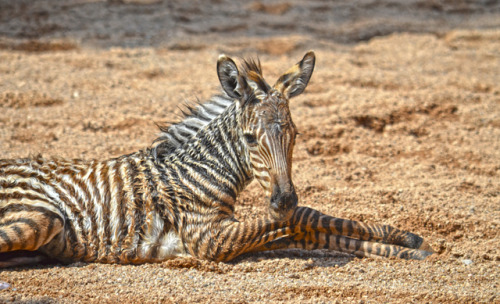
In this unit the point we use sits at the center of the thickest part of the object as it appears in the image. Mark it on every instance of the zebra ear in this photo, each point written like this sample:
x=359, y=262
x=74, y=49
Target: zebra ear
x=228, y=76
x=295, y=80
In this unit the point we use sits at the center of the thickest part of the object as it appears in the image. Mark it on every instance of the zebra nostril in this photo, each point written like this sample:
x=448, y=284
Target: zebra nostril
x=275, y=203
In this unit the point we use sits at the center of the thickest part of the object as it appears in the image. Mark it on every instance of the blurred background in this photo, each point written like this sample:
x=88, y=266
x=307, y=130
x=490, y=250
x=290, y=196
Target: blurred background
x=188, y=24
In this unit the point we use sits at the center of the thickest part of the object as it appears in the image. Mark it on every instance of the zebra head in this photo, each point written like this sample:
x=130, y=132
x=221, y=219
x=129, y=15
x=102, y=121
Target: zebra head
x=266, y=129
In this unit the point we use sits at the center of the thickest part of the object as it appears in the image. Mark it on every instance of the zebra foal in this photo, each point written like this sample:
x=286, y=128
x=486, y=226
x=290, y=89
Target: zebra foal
x=177, y=197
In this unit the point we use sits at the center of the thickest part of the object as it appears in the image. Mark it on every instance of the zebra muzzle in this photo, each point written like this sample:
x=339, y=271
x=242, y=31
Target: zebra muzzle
x=282, y=204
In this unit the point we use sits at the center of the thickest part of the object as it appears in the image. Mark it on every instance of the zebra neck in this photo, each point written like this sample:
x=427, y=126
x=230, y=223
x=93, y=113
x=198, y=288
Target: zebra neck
x=214, y=162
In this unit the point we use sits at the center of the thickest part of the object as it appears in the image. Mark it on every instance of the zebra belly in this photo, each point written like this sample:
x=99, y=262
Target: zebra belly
x=170, y=246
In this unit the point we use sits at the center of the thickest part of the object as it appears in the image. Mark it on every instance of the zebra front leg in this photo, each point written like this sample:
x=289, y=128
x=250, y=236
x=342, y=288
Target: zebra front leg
x=319, y=240
x=314, y=230
x=314, y=221
x=308, y=229
x=27, y=226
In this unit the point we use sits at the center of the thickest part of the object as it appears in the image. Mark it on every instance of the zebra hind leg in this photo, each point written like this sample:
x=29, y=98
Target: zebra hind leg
x=26, y=227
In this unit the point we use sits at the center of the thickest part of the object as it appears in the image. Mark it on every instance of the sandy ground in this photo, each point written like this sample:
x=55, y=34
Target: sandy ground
x=400, y=125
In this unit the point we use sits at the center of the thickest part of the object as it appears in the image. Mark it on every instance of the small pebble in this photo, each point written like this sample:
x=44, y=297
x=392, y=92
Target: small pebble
x=4, y=285
x=467, y=262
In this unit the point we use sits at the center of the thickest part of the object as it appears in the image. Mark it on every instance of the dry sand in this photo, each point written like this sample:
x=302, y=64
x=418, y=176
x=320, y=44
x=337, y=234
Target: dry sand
x=400, y=125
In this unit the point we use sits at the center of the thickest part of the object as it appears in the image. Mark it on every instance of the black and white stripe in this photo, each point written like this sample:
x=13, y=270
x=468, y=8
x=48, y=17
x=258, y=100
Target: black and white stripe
x=196, y=117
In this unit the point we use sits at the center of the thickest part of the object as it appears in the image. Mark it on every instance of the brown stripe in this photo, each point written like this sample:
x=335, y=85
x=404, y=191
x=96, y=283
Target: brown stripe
x=6, y=239
x=104, y=191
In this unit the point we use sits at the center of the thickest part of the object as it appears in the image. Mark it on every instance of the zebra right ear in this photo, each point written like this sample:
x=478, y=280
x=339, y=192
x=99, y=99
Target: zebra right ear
x=228, y=76
x=295, y=80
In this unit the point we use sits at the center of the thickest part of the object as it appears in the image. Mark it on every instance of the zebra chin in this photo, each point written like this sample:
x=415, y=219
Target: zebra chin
x=283, y=205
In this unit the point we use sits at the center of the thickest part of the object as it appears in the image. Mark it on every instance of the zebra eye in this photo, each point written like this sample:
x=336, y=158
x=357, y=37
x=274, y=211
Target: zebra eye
x=250, y=139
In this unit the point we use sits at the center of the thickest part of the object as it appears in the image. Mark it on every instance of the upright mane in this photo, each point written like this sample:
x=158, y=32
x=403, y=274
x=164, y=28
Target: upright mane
x=195, y=118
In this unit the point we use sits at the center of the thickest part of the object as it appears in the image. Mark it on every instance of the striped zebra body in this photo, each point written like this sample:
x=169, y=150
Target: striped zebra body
x=177, y=197
x=101, y=208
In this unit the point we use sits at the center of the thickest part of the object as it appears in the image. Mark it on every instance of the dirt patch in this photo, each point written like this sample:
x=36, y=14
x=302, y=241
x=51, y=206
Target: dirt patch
x=28, y=99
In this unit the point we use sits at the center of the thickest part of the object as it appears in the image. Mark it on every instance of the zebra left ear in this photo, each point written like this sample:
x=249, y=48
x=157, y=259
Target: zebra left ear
x=228, y=76
x=295, y=80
